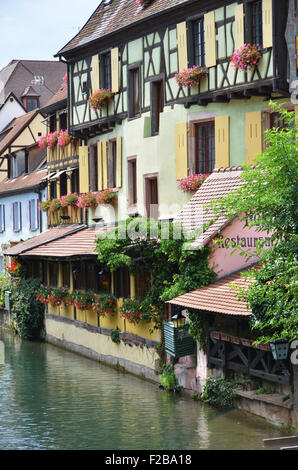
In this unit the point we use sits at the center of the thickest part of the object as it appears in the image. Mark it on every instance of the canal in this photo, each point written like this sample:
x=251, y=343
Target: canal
x=51, y=399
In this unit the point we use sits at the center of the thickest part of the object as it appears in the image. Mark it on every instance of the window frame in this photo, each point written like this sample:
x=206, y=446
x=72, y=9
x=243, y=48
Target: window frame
x=148, y=178
x=112, y=163
x=192, y=44
x=156, y=105
x=132, y=178
x=2, y=218
x=194, y=158
x=250, y=33
x=35, y=214
x=18, y=205
x=134, y=109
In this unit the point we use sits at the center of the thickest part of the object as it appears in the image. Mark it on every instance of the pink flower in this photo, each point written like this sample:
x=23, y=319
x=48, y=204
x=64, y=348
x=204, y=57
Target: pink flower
x=191, y=77
x=246, y=57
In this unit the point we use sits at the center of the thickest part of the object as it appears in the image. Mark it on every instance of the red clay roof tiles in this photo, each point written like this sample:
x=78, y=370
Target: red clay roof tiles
x=218, y=297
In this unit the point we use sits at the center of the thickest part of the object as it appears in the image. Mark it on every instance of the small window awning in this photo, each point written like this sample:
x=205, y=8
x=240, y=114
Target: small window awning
x=47, y=177
x=56, y=175
x=218, y=297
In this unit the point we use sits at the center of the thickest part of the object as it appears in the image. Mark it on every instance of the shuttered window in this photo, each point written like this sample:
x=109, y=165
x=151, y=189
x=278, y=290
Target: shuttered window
x=132, y=181
x=95, y=82
x=199, y=43
x=115, y=70
x=222, y=142
x=106, y=71
x=134, y=92
x=254, y=140
x=182, y=46
x=210, y=39
x=93, y=168
x=151, y=196
x=204, y=147
x=239, y=26
x=157, y=104
x=267, y=24
x=84, y=169
x=112, y=163
x=16, y=216
x=181, y=149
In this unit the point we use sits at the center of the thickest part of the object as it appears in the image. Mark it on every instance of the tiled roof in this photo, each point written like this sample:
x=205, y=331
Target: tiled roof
x=61, y=95
x=78, y=244
x=217, y=185
x=218, y=297
x=25, y=180
x=15, y=128
x=42, y=238
x=115, y=16
x=18, y=75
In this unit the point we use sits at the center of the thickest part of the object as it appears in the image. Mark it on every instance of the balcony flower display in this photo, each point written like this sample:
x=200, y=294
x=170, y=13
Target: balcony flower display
x=42, y=142
x=64, y=138
x=191, y=77
x=106, y=196
x=69, y=200
x=104, y=304
x=54, y=205
x=247, y=57
x=133, y=310
x=45, y=205
x=14, y=269
x=52, y=138
x=99, y=98
x=191, y=183
x=87, y=200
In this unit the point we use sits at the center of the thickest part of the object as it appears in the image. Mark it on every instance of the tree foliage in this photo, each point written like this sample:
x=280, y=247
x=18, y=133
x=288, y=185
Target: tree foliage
x=268, y=200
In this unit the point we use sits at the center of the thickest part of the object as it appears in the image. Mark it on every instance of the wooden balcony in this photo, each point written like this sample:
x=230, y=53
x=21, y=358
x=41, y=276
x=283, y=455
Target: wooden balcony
x=66, y=216
x=58, y=157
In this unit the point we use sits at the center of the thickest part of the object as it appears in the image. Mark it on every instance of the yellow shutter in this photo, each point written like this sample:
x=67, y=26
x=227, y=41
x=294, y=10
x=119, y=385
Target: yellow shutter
x=95, y=84
x=239, y=26
x=267, y=23
x=99, y=166
x=254, y=144
x=182, y=46
x=104, y=165
x=115, y=69
x=210, y=39
x=84, y=169
x=222, y=142
x=181, y=150
x=119, y=162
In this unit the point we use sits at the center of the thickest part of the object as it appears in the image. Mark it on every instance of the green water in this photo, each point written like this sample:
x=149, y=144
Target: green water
x=51, y=399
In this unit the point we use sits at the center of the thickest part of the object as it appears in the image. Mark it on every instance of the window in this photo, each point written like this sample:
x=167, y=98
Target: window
x=33, y=214
x=157, y=104
x=53, y=190
x=142, y=285
x=16, y=216
x=53, y=274
x=17, y=164
x=63, y=120
x=122, y=283
x=276, y=121
x=112, y=163
x=93, y=168
x=106, y=71
x=52, y=123
x=199, y=43
x=2, y=217
x=63, y=184
x=134, y=92
x=204, y=147
x=151, y=196
x=132, y=181
x=74, y=181
x=32, y=103
x=66, y=275
x=254, y=25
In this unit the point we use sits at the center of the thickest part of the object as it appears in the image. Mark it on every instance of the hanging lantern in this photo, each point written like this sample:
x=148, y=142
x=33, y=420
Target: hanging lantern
x=178, y=320
x=280, y=350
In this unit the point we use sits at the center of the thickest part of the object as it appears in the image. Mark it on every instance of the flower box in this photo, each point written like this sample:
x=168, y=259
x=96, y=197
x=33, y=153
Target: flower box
x=100, y=98
x=191, y=77
x=247, y=57
x=191, y=183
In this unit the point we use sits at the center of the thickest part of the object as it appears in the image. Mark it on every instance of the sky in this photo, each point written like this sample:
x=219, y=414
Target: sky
x=35, y=29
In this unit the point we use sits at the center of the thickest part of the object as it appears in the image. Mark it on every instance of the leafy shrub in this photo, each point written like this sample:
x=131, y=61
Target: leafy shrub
x=115, y=336
x=27, y=311
x=219, y=392
x=168, y=378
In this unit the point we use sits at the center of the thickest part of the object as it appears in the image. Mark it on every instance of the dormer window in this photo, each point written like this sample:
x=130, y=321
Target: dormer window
x=32, y=103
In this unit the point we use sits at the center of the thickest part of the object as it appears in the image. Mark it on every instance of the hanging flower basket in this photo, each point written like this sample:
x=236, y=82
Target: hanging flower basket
x=100, y=98
x=64, y=138
x=191, y=183
x=14, y=269
x=247, y=57
x=42, y=142
x=52, y=138
x=191, y=77
x=69, y=200
x=106, y=196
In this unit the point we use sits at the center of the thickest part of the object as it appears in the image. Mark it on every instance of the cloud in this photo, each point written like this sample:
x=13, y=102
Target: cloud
x=30, y=29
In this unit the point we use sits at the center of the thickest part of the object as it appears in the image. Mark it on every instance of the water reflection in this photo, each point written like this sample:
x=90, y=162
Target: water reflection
x=53, y=399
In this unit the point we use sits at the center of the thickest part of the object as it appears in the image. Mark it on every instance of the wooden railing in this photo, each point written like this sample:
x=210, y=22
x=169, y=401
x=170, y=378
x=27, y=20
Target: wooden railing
x=65, y=216
x=231, y=353
x=59, y=153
